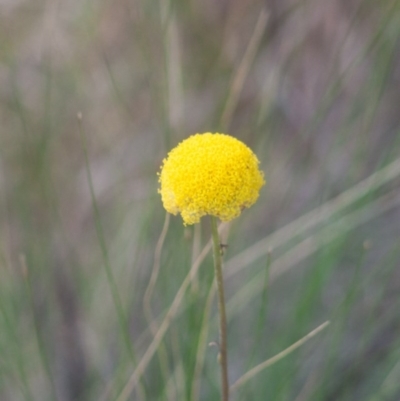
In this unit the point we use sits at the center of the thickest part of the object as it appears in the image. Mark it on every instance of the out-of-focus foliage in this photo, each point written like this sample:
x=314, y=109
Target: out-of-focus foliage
x=312, y=87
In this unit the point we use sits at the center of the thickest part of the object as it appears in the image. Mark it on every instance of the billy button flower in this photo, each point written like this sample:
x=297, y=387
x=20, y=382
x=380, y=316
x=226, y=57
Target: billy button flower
x=209, y=174
x=216, y=175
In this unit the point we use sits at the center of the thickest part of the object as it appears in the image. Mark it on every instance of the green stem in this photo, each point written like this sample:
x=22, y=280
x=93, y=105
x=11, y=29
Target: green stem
x=223, y=357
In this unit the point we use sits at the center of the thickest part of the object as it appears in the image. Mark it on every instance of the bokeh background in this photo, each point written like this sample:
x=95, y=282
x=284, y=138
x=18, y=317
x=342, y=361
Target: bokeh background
x=313, y=87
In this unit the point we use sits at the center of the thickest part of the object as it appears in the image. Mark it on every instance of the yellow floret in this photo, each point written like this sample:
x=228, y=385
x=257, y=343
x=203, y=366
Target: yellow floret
x=213, y=174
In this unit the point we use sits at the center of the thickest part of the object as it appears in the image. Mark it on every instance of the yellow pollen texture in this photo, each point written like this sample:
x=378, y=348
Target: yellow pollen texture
x=213, y=174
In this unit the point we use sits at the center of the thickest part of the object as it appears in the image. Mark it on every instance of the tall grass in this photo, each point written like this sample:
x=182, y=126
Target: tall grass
x=102, y=297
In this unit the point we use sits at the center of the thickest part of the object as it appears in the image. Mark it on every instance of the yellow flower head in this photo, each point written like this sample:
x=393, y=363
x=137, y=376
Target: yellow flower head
x=213, y=174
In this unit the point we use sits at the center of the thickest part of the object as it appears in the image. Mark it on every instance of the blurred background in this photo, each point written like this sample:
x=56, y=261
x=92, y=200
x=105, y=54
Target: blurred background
x=312, y=87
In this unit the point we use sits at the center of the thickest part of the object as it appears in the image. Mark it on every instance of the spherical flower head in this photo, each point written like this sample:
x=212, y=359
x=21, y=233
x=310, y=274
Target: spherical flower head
x=213, y=174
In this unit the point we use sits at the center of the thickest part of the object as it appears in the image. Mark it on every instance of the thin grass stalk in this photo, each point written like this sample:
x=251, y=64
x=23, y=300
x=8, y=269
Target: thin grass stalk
x=262, y=316
x=162, y=352
x=196, y=248
x=37, y=330
x=106, y=260
x=259, y=368
x=18, y=351
x=310, y=245
x=122, y=319
x=223, y=355
x=311, y=220
x=164, y=326
x=202, y=345
x=243, y=70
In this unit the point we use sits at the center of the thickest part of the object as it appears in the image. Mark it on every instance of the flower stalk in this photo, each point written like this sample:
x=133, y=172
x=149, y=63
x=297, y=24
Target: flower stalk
x=223, y=356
